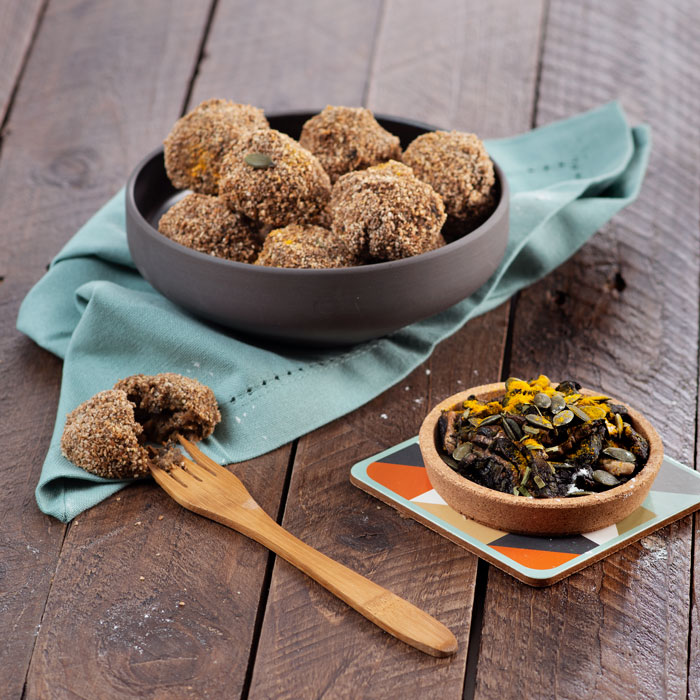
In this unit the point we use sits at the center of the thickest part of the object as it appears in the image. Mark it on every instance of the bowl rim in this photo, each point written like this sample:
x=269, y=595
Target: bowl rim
x=359, y=270
x=433, y=459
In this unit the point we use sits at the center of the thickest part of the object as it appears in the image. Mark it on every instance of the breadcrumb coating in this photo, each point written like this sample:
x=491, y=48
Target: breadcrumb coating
x=206, y=224
x=456, y=165
x=293, y=189
x=298, y=246
x=198, y=141
x=348, y=138
x=169, y=403
x=385, y=213
x=102, y=436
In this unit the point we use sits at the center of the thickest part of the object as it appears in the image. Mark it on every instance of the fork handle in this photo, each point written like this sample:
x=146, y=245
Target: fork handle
x=390, y=612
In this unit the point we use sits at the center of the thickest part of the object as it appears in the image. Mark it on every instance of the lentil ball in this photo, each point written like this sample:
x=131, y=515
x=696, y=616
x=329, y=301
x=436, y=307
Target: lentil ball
x=385, y=213
x=304, y=247
x=169, y=403
x=206, y=224
x=291, y=188
x=348, y=138
x=198, y=141
x=102, y=436
x=457, y=166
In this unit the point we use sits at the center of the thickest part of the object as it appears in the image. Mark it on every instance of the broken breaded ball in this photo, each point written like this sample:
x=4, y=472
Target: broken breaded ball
x=385, y=213
x=206, y=224
x=348, y=138
x=107, y=434
x=269, y=177
x=298, y=246
x=456, y=165
x=169, y=403
x=103, y=437
x=198, y=141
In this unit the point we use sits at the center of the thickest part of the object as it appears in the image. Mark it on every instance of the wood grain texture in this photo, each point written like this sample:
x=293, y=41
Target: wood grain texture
x=459, y=65
x=76, y=129
x=621, y=316
x=309, y=641
x=18, y=22
x=285, y=56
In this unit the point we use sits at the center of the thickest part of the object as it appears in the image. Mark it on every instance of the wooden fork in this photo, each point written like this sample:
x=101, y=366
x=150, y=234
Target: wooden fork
x=205, y=487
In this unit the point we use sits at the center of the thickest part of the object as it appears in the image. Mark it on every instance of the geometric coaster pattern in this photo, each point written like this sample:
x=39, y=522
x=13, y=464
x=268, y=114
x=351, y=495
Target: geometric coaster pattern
x=398, y=477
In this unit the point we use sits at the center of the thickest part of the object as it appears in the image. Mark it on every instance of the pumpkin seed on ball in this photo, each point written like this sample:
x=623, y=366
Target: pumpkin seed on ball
x=259, y=160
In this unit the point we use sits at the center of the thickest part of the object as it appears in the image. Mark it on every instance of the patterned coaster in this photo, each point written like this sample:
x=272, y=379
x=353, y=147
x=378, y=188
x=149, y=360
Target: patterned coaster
x=398, y=477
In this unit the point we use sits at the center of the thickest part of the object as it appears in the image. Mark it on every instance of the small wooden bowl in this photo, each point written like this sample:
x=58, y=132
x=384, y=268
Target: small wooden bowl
x=535, y=516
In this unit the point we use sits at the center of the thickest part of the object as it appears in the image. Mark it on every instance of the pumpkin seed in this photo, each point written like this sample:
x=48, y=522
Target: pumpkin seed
x=463, y=449
x=617, y=467
x=539, y=421
x=512, y=429
x=605, y=478
x=578, y=412
x=619, y=454
x=510, y=380
x=452, y=463
x=557, y=403
x=563, y=418
x=490, y=420
x=618, y=423
x=259, y=160
x=542, y=401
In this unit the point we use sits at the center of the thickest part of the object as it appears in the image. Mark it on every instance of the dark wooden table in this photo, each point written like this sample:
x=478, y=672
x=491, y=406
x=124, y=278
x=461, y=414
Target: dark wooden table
x=86, y=88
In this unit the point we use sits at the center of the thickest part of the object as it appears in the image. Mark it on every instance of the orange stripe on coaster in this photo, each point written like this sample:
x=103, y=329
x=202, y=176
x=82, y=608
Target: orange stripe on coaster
x=406, y=481
x=536, y=558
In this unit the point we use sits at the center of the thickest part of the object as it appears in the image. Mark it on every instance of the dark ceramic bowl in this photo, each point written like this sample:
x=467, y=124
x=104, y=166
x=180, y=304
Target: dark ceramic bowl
x=310, y=307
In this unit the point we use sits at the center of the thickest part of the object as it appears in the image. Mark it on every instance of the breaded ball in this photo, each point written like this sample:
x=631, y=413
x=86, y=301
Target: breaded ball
x=169, y=403
x=102, y=436
x=348, y=138
x=456, y=165
x=206, y=224
x=384, y=213
x=304, y=247
x=269, y=177
x=198, y=141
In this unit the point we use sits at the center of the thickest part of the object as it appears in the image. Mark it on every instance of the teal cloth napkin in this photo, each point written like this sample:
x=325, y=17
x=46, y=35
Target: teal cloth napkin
x=93, y=309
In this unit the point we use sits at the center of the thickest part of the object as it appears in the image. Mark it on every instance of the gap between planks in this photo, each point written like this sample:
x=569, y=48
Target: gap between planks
x=265, y=588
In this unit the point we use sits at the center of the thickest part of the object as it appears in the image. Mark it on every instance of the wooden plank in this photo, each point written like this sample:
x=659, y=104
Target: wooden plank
x=18, y=22
x=310, y=640
x=622, y=316
x=285, y=56
x=78, y=125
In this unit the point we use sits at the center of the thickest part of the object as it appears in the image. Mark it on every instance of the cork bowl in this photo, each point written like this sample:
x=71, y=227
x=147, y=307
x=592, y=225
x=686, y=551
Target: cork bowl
x=535, y=516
